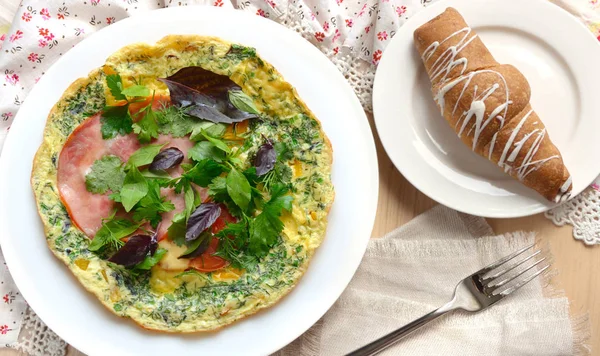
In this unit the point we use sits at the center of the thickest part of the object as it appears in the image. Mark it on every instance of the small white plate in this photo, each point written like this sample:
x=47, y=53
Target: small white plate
x=559, y=57
x=76, y=315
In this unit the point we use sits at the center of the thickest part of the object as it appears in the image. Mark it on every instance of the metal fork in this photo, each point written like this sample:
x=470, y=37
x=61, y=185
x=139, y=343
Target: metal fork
x=474, y=293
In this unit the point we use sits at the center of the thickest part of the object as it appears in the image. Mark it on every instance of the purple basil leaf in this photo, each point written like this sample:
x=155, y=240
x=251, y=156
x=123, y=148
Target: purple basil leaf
x=205, y=94
x=201, y=219
x=210, y=114
x=265, y=159
x=165, y=159
x=204, y=81
x=133, y=252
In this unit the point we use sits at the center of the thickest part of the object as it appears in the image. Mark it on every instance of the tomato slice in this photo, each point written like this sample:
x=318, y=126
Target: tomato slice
x=206, y=262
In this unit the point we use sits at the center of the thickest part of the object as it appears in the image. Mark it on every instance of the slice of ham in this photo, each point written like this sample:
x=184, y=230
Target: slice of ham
x=83, y=147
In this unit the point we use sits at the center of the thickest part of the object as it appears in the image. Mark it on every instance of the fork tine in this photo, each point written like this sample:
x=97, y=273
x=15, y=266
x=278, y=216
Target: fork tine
x=494, y=283
x=520, y=284
x=510, y=268
x=504, y=260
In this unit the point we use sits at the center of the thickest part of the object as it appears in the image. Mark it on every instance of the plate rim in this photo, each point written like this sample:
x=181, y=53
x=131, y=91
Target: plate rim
x=371, y=177
x=378, y=87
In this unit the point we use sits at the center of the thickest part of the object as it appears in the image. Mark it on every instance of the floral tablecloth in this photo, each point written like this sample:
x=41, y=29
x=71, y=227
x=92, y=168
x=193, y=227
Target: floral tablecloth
x=352, y=33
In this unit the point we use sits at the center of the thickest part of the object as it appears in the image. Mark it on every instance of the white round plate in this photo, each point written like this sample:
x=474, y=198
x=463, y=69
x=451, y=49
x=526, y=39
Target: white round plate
x=559, y=57
x=74, y=314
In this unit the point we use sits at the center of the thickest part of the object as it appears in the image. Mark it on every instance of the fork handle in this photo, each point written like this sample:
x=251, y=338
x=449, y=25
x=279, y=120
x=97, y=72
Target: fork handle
x=388, y=340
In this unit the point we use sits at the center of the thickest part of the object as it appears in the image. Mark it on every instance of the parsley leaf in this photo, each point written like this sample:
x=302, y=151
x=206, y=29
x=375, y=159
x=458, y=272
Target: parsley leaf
x=238, y=188
x=151, y=206
x=203, y=172
x=135, y=187
x=112, y=232
x=116, y=120
x=205, y=149
x=146, y=128
x=136, y=90
x=266, y=227
x=106, y=174
x=218, y=189
x=144, y=155
x=150, y=261
x=115, y=84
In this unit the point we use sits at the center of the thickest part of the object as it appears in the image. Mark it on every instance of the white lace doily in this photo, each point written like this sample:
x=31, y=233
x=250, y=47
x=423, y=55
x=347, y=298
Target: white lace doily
x=583, y=212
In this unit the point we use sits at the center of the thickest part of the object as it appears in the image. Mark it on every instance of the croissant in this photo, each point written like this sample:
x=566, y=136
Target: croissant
x=487, y=104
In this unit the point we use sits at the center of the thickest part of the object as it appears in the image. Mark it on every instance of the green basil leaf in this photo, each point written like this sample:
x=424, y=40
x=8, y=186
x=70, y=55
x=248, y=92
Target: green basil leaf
x=144, y=155
x=136, y=90
x=218, y=143
x=135, y=187
x=211, y=128
x=189, y=195
x=238, y=188
x=243, y=102
x=150, y=261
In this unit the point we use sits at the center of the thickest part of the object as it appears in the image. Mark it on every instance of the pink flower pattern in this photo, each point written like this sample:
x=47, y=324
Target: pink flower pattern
x=382, y=36
x=16, y=36
x=11, y=78
x=319, y=36
x=400, y=10
x=45, y=14
x=26, y=16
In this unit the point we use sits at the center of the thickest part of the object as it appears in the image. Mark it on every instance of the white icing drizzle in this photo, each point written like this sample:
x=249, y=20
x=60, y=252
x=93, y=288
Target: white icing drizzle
x=474, y=118
x=447, y=61
x=566, y=185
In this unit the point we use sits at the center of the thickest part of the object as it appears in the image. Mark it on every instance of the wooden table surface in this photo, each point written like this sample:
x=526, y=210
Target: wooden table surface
x=578, y=265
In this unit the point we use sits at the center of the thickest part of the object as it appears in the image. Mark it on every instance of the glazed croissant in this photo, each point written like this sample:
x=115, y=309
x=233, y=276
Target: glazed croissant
x=487, y=104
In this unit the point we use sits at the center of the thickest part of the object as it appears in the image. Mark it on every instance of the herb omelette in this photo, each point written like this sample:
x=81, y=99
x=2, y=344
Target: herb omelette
x=185, y=184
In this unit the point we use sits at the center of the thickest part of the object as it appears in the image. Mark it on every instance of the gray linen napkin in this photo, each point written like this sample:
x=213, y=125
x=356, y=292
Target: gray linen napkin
x=414, y=269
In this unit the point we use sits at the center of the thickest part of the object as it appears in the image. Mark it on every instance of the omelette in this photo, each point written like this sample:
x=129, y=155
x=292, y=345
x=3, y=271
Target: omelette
x=184, y=183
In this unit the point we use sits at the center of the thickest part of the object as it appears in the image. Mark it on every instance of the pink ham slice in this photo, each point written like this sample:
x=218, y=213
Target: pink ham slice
x=83, y=147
